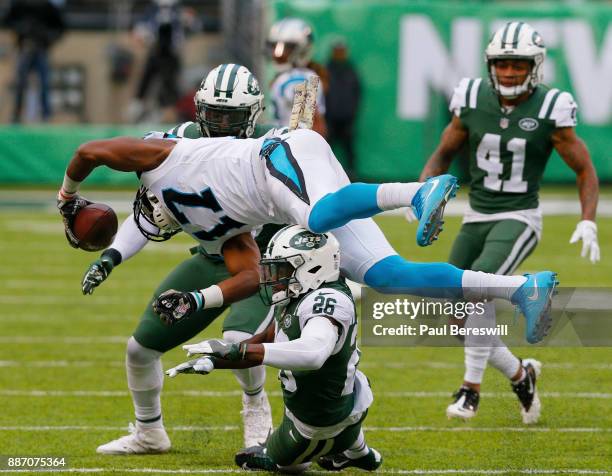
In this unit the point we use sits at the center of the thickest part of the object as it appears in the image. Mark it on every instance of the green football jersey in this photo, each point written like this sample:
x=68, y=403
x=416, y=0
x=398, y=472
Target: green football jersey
x=191, y=130
x=322, y=397
x=508, y=152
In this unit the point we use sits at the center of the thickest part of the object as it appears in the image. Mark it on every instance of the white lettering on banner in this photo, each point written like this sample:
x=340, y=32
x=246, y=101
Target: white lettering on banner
x=426, y=64
x=591, y=76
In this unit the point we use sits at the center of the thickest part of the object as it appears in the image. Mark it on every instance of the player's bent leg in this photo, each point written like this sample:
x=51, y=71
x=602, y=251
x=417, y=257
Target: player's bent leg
x=150, y=340
x=395, y=274
x=357, y=455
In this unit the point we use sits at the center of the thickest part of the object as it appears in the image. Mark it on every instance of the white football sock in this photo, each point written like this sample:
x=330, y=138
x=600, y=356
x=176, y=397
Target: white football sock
x=251, y=380
x=145, y=380
x=478, y=285
x=478, y=347
x=502, y=359
x=390, y=196
x=359, y=448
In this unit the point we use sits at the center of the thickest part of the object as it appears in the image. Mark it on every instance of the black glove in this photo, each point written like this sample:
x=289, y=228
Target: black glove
x=69, y=209
x=173, y=305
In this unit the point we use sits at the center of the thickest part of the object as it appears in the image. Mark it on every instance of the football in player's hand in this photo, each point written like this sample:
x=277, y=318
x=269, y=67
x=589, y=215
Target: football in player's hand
x=95, y=226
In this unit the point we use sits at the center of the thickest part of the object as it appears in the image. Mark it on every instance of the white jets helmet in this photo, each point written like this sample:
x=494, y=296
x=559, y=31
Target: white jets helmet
x=228, y=102
x=290, y=43
x=297, y=261
x=516, y=40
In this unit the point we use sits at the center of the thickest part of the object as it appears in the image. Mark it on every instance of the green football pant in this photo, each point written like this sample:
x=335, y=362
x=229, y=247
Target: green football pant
x=196, y=272
x=497, y=247
x=286, y=447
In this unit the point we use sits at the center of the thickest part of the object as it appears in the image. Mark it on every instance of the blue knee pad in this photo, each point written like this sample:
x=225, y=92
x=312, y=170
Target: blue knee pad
x=354, y=201
x=394, y=274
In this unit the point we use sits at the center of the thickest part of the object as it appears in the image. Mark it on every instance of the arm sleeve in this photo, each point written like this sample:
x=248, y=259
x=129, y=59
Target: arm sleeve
x=309, y=352
x=129, y=240
x=564, y=111
x=458, y=99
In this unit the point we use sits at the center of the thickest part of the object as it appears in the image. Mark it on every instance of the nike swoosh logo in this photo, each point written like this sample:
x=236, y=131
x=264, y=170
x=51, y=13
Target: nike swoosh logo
x=291, y=435
x=535, y=294
x=435, y=184
x=338, y=465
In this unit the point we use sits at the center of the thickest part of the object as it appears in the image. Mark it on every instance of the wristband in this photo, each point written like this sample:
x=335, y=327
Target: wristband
x=69, y=186
x=212, y=296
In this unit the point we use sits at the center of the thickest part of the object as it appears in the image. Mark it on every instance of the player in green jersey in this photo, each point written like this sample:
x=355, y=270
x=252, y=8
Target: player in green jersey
x=313, y=340
x=228, y=103
x=510, y=124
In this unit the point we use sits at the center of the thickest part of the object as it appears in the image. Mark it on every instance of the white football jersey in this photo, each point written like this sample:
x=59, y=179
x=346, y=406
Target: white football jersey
x=215, y=188
x=281, y=93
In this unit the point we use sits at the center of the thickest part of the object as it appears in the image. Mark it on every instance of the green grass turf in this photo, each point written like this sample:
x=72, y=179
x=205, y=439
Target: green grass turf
x=42, y=308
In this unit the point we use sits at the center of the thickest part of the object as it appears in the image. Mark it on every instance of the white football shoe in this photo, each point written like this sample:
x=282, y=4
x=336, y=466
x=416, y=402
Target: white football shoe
x=465, y=405
x=140, y=441
x=527, y=392
x=257, y=419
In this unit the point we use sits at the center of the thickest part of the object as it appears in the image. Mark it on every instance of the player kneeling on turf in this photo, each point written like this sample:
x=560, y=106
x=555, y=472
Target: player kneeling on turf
x=312, y=339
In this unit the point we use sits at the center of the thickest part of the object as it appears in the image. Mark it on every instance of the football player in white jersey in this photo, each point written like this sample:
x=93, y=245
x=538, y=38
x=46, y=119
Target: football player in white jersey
x=216, y=189
x=290, y=43
x=229, y=101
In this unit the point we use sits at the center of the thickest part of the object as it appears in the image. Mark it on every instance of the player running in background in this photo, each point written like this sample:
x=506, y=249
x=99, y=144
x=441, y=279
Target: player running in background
x=290, y=43
x=510, y=124
x=228, y=103
x=313, y=340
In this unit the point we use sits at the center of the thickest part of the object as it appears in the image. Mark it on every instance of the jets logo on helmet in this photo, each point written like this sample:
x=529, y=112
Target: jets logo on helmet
x=228, y=102
x=519, y=41
x=297, y=261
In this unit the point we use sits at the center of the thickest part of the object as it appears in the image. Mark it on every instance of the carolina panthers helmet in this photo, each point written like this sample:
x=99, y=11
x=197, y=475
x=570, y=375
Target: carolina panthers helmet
x=516, y=40
x=290, y=43
x=297, y=261
x=153, y=220
x=228, y=102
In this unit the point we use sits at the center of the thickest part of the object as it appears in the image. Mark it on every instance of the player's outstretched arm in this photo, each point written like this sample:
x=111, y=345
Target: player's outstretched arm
x=242, y=257
x=453, y=138
x=576, y=155
x=125, y=154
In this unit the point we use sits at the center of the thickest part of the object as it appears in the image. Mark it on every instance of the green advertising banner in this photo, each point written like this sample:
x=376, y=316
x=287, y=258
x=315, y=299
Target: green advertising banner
x=411, y=54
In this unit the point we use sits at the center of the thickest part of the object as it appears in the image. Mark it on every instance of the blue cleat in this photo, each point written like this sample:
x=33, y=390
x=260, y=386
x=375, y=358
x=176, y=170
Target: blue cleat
x=428, y=205
x=534, y=299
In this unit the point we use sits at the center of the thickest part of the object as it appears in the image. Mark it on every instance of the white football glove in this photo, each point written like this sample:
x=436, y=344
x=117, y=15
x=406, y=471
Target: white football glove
x=202, y=366
x=586, y=230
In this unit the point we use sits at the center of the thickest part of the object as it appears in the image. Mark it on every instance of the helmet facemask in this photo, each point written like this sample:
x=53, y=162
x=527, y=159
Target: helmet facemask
x=528, y=85
x=152, y=219
x=278, y=279
x=223, y=121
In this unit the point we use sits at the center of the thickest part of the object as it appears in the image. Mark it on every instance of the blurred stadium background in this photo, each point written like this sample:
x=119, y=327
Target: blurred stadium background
x=62, y=385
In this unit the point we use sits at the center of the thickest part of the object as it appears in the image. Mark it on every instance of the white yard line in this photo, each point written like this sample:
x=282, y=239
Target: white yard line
x=231, y=393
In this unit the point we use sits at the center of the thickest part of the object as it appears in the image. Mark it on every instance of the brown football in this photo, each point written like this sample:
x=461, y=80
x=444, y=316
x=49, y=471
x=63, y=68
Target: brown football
x=95, y=226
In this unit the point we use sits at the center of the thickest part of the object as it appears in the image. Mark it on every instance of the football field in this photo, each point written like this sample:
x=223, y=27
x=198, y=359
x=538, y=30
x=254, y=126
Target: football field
x=63, y=388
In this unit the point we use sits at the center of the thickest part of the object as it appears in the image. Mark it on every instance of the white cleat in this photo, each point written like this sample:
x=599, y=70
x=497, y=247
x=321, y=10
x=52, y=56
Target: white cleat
x=139, y=442
x=527, y=392
x=465, y=405
x=257, y=419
